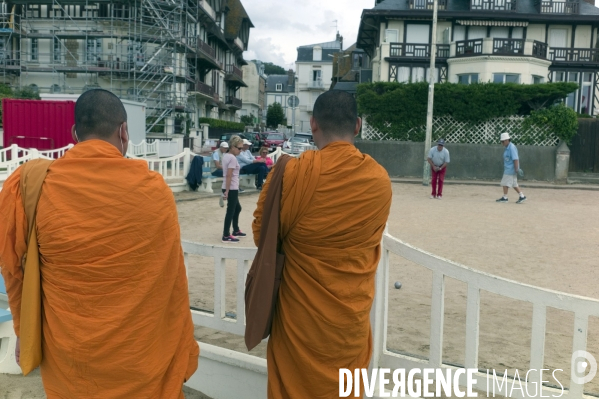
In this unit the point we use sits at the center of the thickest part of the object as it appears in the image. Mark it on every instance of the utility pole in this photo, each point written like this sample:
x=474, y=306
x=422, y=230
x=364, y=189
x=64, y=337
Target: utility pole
x=431, y=98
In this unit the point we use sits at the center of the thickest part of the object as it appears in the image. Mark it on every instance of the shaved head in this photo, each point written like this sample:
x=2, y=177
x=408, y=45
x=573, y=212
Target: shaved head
x=98, y=113
x=336, y=112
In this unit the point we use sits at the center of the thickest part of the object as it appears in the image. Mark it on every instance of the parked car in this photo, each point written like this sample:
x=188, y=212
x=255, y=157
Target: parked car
x=259, y=140
x=297, y=144
x=274, y=140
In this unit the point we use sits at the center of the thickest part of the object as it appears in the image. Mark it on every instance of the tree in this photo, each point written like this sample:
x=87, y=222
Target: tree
x=272, y=69
x=247, y=120
x=274, y=115
x=8, y=92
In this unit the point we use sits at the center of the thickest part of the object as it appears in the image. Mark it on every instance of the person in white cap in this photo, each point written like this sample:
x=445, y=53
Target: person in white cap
x=511, y=168
x=217, y=157
x=438, y=158
x=252, y=166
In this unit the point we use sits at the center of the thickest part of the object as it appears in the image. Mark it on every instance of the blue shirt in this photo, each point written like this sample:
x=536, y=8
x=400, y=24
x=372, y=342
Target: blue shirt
x=245, y=158
x=510, y=154
x=438, y=157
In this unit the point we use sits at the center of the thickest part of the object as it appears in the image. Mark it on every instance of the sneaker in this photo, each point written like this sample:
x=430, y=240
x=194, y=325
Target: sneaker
x=239, y=234
x=521, y=200
x=502, y=199
x=230, y=239
x=241, y=190
x=433, y=197
x=438, y=197
x=221, y=200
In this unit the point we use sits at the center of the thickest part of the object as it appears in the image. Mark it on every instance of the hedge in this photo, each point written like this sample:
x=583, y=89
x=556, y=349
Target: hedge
x=223, y=124
x=395, y=108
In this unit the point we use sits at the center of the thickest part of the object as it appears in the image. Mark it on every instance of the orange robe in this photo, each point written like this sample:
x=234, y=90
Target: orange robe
x=332, y=248
x=116, y=319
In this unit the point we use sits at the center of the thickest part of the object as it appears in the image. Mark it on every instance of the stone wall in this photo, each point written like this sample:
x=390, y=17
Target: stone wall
x=468, y=161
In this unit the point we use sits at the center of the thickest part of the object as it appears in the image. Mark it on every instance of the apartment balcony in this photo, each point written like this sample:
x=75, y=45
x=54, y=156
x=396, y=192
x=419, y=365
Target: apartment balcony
x=204, y=53
x=317, y=85
x=233, y=102
x=427, y=4
x=493, y=5
x=499, y=47
x=577, y=56
x=413, y=50
x=207, y=8
x=201, y=90
x=559, y=7
x=508, y=46
x=239, y=43
x=465, y=48
x=234, y=75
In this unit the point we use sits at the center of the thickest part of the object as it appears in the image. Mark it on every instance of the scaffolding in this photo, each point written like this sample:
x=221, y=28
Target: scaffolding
x=151, y=51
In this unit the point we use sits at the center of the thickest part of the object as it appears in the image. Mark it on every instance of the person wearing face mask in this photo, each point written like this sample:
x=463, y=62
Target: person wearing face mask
x=115, y=305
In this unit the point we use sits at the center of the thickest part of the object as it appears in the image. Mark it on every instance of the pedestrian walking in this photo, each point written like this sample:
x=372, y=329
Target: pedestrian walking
x=511, y=169
x=438, y=158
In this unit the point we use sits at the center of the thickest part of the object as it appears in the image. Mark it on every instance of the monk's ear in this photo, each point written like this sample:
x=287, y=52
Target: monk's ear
x=358, y=127
x=74, y=134
x=313, y=124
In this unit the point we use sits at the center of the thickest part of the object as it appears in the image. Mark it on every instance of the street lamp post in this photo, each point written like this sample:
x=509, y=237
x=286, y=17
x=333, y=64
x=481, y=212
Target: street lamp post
x=431, y=96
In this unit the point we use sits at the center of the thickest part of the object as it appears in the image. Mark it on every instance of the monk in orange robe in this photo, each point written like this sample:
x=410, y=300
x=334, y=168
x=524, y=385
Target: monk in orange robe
x=334, y=208
x=115, y=315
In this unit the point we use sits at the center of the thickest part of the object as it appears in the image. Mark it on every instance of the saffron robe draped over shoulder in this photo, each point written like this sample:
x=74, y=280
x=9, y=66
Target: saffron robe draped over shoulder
x=334, y=208
x=116, y=319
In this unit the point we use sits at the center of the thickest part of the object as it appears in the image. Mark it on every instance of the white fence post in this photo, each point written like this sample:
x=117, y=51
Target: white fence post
x=14, y=152
x=186, y=161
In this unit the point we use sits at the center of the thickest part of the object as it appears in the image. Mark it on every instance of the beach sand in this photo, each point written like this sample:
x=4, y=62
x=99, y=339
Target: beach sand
x=550, y=241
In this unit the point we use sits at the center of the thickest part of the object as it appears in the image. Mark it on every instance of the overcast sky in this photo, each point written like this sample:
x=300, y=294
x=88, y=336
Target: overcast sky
x=283, y=25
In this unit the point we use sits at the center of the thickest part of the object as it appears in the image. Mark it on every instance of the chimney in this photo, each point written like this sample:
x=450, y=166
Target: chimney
x=290, y=78
x=339, y=38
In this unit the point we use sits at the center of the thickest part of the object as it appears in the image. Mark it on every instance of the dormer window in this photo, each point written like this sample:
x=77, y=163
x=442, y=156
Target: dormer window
x=279, y=87
x=317, y=53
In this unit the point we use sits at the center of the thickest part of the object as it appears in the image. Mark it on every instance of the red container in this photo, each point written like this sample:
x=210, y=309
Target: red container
x=45, y=125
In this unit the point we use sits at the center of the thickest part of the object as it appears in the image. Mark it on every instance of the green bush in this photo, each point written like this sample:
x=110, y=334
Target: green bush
x=396, y=108
x=223, y=124
x=8, y=92
x=562, y=120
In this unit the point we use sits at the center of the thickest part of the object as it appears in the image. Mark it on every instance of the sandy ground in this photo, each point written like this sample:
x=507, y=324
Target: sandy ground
x=551, y=241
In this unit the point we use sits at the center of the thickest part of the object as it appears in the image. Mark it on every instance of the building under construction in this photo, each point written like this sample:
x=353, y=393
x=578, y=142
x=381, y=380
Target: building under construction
x=182, y=58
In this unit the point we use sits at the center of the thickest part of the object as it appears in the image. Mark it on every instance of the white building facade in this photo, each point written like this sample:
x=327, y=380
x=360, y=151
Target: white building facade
x=500, y=41
x=181, y=58
x=253, y=96
x=314, y=71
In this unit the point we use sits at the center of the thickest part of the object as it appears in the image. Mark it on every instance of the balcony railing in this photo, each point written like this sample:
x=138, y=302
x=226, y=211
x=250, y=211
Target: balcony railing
x=206, y=48
x=559, y=7
x=203, y=88
x=508, y=46
x=233, y=70
x=493, y=5
x=584, y=55
x=469, y=47
x=414, y=50
x=427, y=4
x=539, y=49
x=234, y=101
x=316, y=84
x=208, y=9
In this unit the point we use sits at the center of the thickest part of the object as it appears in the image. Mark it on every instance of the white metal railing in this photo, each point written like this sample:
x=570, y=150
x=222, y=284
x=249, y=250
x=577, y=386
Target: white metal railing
x=171, y=168
x=476, y=281
x=57, y=153
x=18, y=156
x=142, y=149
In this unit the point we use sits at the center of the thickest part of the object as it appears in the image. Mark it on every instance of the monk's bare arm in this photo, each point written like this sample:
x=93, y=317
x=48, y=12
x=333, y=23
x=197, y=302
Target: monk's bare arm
x=13, y=228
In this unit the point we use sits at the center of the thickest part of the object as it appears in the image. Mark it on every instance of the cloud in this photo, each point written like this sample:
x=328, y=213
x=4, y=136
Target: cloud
x=282, y=26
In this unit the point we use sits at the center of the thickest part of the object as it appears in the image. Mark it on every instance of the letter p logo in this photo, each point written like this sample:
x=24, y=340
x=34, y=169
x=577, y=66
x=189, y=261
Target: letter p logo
x=580, y=361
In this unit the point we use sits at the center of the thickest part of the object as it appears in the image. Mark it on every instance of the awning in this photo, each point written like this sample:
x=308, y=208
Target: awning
x=492, y=23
